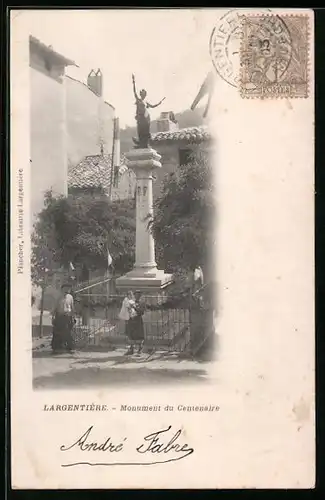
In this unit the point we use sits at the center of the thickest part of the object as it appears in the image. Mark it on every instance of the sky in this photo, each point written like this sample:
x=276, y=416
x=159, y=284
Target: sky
x=167, y=50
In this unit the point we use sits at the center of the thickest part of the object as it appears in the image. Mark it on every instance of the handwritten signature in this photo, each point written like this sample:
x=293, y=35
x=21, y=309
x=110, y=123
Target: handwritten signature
x=158, y=443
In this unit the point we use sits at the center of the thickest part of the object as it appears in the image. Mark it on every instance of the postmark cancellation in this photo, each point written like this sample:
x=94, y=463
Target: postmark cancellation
x=274, y=56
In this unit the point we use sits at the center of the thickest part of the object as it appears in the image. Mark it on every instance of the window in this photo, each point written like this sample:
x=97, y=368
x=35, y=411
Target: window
x=185, y=156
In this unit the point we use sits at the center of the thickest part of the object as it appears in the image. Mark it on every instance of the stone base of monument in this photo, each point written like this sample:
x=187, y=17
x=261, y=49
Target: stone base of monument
x=144, y=281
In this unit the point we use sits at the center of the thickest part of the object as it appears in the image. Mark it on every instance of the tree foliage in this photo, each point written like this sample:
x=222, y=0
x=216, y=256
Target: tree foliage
x=183, y=215
x=79, y=229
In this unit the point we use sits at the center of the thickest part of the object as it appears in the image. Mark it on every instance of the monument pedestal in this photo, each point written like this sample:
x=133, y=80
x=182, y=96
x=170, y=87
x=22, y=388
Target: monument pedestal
x=144, y=283
x=144, y=276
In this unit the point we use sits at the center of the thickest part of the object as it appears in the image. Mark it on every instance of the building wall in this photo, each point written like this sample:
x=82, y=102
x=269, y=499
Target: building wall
x=88, y=119
x=170, y=160
x=47, y=129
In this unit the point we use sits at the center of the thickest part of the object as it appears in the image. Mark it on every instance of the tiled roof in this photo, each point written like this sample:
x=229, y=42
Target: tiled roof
x=48, y=49
x=93, y=171
x=189, y=134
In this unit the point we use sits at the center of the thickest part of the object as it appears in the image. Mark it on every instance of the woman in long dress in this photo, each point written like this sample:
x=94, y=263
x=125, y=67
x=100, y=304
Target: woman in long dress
x=136, y=326
x=127, y=312
x=129, y=307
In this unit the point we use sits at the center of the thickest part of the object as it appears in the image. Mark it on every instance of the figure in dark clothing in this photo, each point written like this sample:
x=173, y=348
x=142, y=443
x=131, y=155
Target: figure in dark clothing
x=135, y=330
x=63, y=321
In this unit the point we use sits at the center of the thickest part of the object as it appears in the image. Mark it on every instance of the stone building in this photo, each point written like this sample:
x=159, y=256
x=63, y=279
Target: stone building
x=176, y=146
x=90, y=119
x=69, y=120
x=97, y=171
x=48, y=149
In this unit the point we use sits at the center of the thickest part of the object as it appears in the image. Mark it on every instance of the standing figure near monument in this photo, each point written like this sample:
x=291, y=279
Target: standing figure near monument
x=198, y=278
x=63, y=320
x=136, y=326
x=127, y=311
x=142, y=117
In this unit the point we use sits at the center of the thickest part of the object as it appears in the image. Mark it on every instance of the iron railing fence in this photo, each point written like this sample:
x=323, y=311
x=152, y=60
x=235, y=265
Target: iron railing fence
x=177, y=323
x=165, y=323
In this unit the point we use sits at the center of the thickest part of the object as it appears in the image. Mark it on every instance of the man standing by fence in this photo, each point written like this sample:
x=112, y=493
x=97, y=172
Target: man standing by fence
x=63, y=320
x=198, y=280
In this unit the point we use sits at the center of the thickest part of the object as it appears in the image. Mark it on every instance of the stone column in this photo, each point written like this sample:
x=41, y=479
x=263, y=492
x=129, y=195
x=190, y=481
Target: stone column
x=145, y=274
x=145, y=245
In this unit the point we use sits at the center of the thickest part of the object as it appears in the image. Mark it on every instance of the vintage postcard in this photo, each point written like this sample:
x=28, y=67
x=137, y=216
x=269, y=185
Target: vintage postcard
x=162, y=249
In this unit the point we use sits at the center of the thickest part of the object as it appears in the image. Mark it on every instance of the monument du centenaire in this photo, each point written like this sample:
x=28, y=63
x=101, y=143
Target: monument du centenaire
x=143, y=160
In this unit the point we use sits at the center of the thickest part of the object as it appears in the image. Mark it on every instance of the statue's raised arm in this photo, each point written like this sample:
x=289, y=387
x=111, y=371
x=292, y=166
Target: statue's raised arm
x=155, y=105
x=134, y=88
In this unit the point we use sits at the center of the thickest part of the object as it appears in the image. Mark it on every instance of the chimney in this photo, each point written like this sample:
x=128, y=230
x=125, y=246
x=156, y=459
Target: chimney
x=95, y=82
x=167, y=121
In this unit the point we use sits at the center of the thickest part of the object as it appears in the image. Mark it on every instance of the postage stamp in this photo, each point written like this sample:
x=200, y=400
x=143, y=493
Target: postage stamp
x=274, y=56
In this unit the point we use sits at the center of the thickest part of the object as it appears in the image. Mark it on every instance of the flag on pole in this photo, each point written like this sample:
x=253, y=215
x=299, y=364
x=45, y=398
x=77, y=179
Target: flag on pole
x=206, y=88
x=109, y=259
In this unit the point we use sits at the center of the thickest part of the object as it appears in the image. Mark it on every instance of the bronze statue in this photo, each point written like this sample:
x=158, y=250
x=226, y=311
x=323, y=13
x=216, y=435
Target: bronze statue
x=142, y=117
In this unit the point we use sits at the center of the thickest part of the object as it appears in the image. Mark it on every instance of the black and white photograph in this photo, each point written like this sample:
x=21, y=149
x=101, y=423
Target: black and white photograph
x=123, y=211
